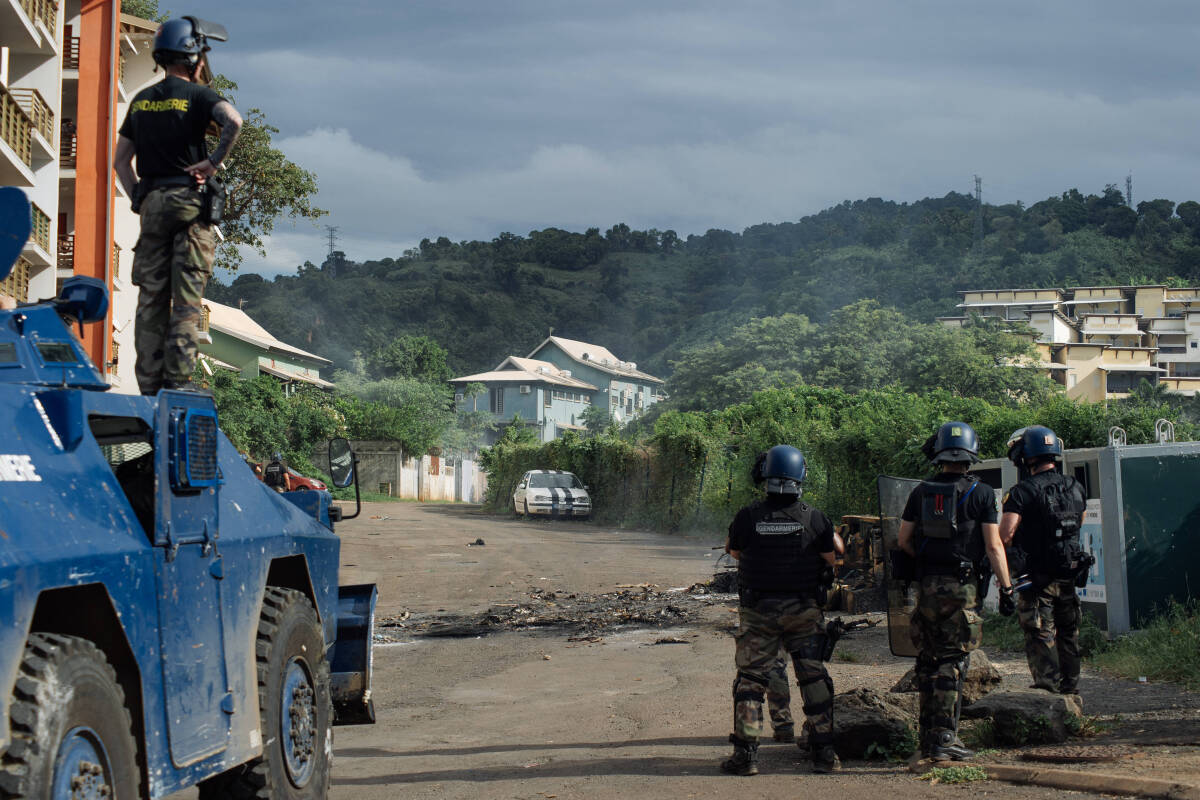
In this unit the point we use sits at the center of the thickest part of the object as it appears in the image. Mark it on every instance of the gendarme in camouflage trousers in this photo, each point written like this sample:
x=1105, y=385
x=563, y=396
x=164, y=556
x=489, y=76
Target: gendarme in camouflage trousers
x=945, y=629
x=1050, y=618
x=799, y=627
x=172, y=263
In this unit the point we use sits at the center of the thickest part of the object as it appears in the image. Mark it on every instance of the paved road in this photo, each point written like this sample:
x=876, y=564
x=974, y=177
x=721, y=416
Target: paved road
x=534, y=715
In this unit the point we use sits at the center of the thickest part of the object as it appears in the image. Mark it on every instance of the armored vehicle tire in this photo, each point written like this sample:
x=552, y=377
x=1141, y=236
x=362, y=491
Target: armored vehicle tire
x=70, y=726
x=295, y=707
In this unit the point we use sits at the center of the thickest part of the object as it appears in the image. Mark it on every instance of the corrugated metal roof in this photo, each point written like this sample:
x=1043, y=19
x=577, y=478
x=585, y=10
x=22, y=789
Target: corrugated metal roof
x=238, y=324
x=596, y=356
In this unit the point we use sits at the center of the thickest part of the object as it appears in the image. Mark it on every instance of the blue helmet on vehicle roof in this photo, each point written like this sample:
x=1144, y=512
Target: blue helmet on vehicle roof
x=955, y=442
x=784, y=470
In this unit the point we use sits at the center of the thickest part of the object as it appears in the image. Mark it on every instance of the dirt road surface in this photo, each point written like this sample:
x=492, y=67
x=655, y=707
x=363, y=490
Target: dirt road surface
x=567, y=711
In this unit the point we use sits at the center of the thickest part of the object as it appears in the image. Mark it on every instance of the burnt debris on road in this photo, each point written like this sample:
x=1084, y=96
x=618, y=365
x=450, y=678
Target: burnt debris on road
x=575, y=613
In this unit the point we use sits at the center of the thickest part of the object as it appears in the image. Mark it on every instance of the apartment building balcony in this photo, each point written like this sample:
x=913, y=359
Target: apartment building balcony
x=70, y=58
x=29, y=25
x=68, y=146
x=16, y=142
x=1166, y=326
x=16, y=285
x=42, y=120
x=66, y=256
x=37, y=250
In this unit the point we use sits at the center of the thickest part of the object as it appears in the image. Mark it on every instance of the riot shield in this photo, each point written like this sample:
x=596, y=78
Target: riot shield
x=901, y=590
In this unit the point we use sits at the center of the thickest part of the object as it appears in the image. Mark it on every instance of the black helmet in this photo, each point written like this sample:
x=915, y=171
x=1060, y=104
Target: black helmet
x=183, y=40
x=1039, y=443
x=277, y=456
x=955, y=442
x=784, y=470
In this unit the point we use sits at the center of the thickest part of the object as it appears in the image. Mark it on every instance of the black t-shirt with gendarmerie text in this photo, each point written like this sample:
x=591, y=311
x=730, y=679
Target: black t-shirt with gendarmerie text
x=166, y=123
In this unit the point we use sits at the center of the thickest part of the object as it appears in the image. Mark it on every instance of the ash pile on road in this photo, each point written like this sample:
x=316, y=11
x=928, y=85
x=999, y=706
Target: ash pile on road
x=571, y=612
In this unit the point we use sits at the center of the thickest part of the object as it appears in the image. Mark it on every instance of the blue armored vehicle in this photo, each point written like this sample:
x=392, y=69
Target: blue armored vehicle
x=166, y=619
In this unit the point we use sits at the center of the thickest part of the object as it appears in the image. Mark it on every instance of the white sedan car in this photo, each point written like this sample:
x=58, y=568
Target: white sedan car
x=552, y=492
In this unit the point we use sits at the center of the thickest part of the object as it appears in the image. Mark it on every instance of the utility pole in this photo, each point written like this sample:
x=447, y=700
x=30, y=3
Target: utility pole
x=978, y=211
x=329, y=262
x=1129, y=189
x=332, y=231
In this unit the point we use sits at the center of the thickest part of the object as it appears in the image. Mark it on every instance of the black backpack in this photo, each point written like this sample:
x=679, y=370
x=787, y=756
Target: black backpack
x=1057, y=550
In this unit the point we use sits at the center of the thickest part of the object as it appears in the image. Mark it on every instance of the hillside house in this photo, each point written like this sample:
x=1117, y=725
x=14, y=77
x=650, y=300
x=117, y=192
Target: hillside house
x=230, y=339
x=552, y=387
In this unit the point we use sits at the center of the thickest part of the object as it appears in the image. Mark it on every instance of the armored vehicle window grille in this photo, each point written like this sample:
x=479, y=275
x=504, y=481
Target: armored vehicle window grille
x=202, y=447
x=118, y=454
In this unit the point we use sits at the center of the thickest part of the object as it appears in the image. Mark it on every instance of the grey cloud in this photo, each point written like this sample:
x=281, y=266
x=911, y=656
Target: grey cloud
x=467, y=118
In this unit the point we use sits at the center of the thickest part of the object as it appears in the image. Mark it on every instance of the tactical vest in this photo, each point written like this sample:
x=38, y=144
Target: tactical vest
x=781, y=555
x=946, y=537
x=273, y=474
x=1049, y=533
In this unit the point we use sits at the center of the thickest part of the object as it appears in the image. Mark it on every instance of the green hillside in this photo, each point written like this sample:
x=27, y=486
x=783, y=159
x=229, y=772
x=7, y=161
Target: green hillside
x=647, y=295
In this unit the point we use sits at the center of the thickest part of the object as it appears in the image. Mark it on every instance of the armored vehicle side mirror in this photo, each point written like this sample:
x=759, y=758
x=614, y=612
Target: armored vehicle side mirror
x=343, y=470
x=341, y=463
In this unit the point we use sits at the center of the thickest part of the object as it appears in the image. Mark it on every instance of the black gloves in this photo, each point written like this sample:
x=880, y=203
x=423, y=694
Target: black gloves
x=1008, y=604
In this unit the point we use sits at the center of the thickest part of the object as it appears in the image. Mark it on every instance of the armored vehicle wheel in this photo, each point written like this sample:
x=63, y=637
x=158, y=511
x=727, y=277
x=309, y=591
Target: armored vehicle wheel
x=70, y=728
x=295, y=708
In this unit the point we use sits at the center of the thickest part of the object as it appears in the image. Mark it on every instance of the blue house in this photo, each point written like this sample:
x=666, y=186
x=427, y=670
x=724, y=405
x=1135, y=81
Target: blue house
x=552, y=387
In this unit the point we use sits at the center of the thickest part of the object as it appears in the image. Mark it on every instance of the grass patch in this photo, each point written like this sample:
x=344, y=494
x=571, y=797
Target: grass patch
x=969, y=774
x=897, y=748
x=1164, y=650
x=978, y=734
x=1002, y=633
x=1086, y=727
x=849, y=656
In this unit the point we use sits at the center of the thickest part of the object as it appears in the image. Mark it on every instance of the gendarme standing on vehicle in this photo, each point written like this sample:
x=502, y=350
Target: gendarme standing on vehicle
x=948, y=525
x=785, y=554
x=177, y=197
x=1042, y=517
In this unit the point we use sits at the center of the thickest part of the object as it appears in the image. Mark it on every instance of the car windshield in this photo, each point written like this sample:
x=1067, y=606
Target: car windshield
x=554, y=480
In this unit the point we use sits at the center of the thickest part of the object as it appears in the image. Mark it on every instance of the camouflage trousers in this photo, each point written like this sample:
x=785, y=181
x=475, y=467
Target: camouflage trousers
x=945, y=629
x=779, y=694
x=797, y=626
x=1050, y=617
x=172, y=263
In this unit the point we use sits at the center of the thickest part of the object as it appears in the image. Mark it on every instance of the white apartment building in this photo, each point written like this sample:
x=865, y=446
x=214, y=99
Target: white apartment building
x=1101, y=341
x=40, y=51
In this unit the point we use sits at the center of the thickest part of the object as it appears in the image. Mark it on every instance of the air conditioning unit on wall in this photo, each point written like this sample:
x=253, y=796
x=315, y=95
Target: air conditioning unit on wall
x=525, y=390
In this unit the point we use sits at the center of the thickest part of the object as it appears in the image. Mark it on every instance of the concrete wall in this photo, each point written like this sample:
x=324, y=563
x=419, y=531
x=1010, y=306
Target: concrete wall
x=384, y=468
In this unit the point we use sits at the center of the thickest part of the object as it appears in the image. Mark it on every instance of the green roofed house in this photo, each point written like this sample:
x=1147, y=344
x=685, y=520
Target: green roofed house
x=552, y=387
x=230, y=339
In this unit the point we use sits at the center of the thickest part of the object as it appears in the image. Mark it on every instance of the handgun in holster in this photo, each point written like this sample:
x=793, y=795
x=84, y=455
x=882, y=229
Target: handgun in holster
x=213, y=192
x=139, y=194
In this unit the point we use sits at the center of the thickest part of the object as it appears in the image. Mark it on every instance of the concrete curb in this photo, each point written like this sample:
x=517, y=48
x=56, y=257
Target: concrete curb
x=1097, y=782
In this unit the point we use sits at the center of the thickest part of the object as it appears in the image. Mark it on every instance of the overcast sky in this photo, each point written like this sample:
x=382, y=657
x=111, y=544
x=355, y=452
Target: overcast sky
x=466, y=118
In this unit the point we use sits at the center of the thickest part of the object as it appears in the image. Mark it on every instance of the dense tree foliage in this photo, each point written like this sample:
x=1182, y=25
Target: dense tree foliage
x=650, y=296
x=862, y=346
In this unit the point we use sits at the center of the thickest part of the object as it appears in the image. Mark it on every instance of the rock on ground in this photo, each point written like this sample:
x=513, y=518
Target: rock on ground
x=1028, y=717
x=982, y=678
x=863, y=717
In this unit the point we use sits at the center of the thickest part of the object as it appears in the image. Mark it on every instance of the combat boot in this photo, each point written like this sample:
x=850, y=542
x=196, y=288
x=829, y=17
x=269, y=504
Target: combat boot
x=946, y=746
x=785, y=733
x=744, y=760
x=825, y=759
